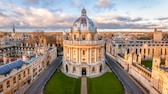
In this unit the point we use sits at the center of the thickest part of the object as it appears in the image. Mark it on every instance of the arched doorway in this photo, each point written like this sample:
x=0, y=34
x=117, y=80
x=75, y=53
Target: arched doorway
x=83, y=71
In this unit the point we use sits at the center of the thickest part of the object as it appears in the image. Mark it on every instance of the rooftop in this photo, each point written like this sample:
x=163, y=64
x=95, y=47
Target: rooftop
x=7, y=68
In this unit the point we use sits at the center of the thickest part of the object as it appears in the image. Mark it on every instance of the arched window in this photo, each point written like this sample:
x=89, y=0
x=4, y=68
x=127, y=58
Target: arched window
x=66, y=68
x=127, y=51
x=74, y=69
x=100, y=68
x=93, y=69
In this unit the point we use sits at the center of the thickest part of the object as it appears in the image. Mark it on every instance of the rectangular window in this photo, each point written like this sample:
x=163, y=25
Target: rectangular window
x=28, y=71
x=24, y=74
x=14, y=80
x=92, y=37
x=1, y=88
x=19, y=76
x=83, y=52
x=8, y=84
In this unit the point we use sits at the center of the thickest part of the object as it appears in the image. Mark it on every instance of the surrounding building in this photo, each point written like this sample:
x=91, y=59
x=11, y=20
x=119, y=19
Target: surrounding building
x=21, y=65
x=83, y=49
x=129, y=53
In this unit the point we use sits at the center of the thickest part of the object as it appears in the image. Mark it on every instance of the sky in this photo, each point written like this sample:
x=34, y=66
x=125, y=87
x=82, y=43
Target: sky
x=61, y=14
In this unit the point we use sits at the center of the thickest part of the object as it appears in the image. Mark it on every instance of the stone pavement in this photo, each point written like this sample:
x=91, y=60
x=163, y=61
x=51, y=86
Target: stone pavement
x=84, y=85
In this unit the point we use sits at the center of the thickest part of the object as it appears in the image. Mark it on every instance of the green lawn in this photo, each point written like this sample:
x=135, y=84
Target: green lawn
x=62, y=84
x=105, y=84
x=149, y=64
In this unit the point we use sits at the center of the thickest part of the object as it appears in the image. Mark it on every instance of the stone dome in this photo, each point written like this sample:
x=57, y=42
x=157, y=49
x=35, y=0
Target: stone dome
x=83, y=23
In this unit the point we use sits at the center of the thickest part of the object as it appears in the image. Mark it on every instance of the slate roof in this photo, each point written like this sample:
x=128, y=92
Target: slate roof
x=7, y=68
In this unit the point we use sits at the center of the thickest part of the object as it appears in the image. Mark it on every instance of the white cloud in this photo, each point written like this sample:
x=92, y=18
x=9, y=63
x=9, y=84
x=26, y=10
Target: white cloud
x=102, y=3
x=34, y=17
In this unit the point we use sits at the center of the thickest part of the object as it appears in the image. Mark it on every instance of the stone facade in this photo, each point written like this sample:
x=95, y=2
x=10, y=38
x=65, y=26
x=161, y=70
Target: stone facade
x=35, y=60
x=130, y=53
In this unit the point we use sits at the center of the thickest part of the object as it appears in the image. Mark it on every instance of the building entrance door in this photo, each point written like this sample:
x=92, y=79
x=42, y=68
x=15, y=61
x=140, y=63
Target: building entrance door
x=83, y=71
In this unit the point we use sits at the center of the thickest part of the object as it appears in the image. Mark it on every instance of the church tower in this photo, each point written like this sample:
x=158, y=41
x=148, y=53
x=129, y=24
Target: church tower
x=13, y=32
x=156, y=59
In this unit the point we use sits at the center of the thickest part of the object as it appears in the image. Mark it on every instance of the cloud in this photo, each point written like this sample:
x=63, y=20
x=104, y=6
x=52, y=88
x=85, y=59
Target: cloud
x=34, y=17
x=31, y=2
x=75, y=2
x=124, y=22
x=44, y=18
x=162, y=18
x=104, y=4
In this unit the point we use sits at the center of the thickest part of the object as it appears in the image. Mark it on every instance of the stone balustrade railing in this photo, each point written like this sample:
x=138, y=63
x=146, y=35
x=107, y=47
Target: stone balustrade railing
x=83, y=42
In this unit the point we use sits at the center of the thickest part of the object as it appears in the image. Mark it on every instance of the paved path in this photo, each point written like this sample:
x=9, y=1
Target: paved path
x=84, y=85
x=129, y=85
x=38, y=85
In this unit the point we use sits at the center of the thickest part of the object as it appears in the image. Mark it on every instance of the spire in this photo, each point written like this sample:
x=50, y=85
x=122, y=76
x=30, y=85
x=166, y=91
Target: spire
x=83, y=12
x=13, y=28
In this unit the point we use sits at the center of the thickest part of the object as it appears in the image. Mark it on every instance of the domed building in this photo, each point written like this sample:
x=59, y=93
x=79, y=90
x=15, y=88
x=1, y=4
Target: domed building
x=83, y=50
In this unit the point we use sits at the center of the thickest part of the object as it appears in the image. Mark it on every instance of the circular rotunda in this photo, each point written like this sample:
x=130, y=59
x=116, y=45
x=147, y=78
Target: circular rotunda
x=83, y=49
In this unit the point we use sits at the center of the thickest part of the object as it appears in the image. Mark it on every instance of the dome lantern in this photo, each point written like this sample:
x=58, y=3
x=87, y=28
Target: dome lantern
x=83, y=12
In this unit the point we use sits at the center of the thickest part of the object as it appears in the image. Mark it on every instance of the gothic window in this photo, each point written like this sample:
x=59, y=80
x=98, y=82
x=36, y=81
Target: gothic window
x=8, y=84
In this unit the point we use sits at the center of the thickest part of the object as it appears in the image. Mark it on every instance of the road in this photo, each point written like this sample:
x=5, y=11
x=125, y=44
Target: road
x=38, y=85
x=129, y=85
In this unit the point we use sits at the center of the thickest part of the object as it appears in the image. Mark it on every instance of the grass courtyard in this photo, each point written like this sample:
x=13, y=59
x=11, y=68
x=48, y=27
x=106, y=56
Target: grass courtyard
x=62, y=84
x=105, y=84
x=148, y=64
